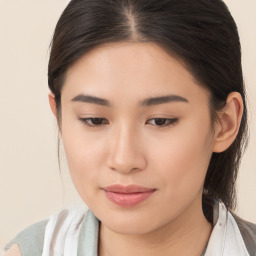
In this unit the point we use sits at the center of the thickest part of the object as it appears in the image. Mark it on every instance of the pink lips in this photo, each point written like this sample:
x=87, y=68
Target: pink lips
x=127, y=195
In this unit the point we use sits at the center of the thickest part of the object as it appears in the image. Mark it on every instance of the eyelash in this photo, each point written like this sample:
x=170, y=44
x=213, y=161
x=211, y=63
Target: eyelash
x=170, y=120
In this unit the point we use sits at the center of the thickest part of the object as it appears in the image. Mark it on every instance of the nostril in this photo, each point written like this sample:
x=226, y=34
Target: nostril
x=125, y=156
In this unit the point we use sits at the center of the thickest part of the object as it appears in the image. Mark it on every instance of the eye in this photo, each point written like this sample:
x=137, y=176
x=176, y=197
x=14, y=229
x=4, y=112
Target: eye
x=98, y=121
x=163, y=122
x=93, y=121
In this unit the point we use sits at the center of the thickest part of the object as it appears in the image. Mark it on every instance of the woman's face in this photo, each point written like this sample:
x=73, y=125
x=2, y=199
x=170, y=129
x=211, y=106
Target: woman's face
x=163, y=144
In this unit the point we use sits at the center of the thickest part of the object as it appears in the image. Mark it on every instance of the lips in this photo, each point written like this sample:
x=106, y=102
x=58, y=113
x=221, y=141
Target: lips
x=127, y=195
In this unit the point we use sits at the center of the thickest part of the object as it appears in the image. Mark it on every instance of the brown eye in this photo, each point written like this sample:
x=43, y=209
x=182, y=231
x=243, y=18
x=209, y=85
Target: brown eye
x=162, y=122
x=93, y=121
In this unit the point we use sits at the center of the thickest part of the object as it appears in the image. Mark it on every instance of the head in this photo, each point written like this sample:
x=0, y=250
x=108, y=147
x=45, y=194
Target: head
x=126, y=51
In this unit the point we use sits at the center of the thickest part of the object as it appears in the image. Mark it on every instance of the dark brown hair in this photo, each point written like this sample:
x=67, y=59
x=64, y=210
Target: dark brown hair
x=202, y=33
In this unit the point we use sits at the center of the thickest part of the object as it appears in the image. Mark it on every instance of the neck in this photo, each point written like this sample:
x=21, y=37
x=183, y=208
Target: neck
x=186, y=235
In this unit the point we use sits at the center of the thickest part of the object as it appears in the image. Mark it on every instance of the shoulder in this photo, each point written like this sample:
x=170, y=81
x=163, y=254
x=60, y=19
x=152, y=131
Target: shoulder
x=248, y=232
x=61, y=231
x=29, y=241
x=246, y=226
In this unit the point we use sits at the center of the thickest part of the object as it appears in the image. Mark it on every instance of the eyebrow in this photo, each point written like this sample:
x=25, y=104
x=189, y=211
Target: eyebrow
x=145, y=103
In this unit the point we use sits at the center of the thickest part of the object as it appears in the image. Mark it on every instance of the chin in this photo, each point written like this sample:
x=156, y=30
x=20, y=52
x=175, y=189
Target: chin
x=133, y=223
x=128, y=229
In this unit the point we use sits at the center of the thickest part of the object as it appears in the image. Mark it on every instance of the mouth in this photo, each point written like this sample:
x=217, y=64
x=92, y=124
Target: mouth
x=127, y=196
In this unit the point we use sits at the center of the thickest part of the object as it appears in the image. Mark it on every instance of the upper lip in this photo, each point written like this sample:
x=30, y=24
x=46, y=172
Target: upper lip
x=127, y=189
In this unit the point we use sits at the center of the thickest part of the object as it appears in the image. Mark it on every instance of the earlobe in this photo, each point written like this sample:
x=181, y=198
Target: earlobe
x=52, y=102
x=230, y=119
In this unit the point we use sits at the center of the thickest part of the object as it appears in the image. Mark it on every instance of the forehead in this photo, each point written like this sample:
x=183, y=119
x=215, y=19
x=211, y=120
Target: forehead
x=130, y=70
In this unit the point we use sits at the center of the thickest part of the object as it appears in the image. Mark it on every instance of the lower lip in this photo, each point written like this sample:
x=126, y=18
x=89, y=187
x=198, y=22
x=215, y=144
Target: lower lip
x=127, y=200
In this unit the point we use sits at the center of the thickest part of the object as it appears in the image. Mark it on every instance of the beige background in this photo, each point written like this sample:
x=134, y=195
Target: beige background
x=31, y=185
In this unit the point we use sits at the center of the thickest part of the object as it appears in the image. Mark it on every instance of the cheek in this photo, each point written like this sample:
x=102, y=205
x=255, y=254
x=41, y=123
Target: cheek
x=183, y=158
x=84, y=155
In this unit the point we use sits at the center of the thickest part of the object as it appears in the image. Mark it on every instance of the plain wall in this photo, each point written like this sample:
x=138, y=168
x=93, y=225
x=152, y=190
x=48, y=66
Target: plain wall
x=30, y=182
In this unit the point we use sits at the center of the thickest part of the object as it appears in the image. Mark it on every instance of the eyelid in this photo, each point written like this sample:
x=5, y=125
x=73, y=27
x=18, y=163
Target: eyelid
x=171, y=121
x=85, y=121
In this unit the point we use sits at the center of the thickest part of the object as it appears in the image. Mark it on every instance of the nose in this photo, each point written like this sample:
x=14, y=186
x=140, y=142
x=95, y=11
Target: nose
x=125, y=151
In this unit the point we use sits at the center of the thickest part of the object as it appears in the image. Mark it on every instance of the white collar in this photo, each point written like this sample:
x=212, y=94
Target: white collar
x=225, y=239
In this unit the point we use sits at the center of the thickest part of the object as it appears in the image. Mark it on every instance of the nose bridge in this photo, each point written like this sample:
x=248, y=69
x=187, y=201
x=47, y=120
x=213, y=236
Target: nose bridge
x=125, y=152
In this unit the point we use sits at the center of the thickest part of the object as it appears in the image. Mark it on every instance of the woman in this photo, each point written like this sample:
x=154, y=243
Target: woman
x=151, y=108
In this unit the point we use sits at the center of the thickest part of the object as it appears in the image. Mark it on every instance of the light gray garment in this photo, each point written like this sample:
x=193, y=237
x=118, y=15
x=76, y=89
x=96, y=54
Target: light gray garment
x=31, y=240
x=84, y=229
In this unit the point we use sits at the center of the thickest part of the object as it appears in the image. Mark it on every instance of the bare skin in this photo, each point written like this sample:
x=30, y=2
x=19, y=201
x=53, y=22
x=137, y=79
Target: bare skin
x=13, y=251
x=130, y=147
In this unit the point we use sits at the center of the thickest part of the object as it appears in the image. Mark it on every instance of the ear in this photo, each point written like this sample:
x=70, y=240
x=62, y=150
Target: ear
x=52, y=102
x=230, y=119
